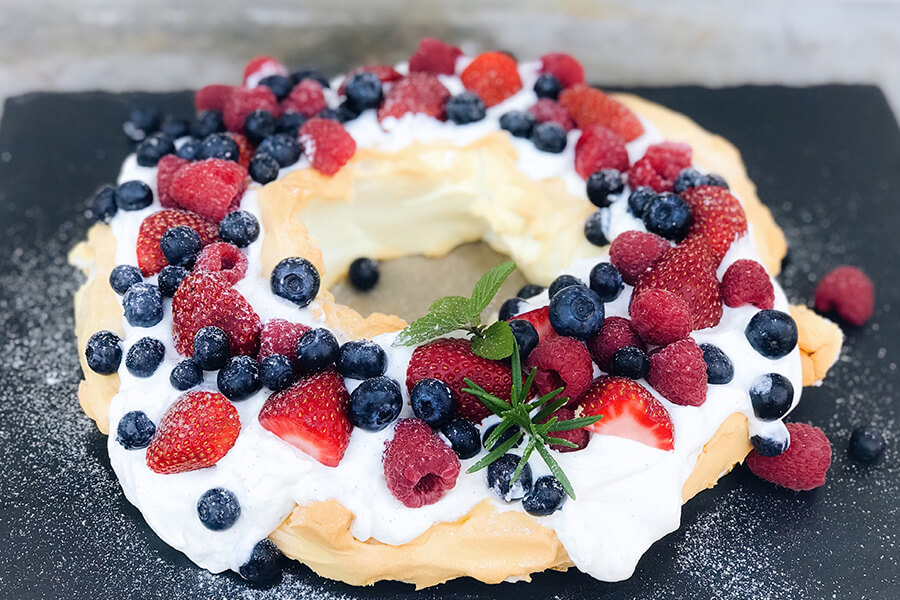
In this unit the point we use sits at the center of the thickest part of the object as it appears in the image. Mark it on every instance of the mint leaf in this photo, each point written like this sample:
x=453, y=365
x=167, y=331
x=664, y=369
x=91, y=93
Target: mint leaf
x=452, y=307
x=497, y=342
x=426, y=328
x=487, y=287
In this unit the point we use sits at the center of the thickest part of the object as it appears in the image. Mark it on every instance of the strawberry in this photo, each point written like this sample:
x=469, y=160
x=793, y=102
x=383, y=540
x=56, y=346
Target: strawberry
x=149, y=255
x=599, y=148
x=629, y=411
x=209, y=188
x=207, y=299
x=564, y=67
x=546, y=110
x=196, y=432
x=166, y=168
x=660, y=166
x=261, y=67
x=451, y=360
x=540, y=319
x=327, y=144
x=245, y=149
x=494, y=76
x=385, y=73
x=243, y=101
x=418, y=93
x=434, y=56
x=589, y=106
x=311, y=415
x=717, y=218
x=212, y=97
x=307, y=98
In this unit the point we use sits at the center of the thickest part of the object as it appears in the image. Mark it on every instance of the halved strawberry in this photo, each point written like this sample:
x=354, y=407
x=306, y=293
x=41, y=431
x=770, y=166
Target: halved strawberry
x=196, y=432
x=166, y=168
x=494, y=76
x=209, y=188
x=589, y=106
x=150, y=258
x=540, y=319
x=717, y=218
x=629, y=411
x=311, y=415
x=418, y=93
x=261, y=67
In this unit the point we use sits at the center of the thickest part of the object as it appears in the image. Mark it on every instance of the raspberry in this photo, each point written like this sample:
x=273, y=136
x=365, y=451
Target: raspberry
x=580, y=437
x=717, y=218
x=615, y=333
x=678, y=373
x=494, y=76
x=243, y=101
x=434, y=56
x=327, y=144
x=634, y=252
x=659, y=316
x=150, y=257
x=279, y=336
x=419, y=468
x=600, y=148
x=212, y=97
x=564, y=67
x=802, y=466
x=261, y=67
x=245, y=149
x=210, y=188
x=418, y=93
x=385, y=74
x=562, y=362
x=225, y=260
x=546, y=110
x=848, y=292
x=642, y=173
x=660, y=166
x=589, y=106
x=307, y=98
x=166, y=168
x=746, y=282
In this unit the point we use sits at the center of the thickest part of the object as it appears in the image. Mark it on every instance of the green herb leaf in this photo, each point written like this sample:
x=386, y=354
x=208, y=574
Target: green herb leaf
x=487, y=287
x=494, y=404
x=496, y=453
x=556, y=470
x=426, y=328
x=497, y=342
x=452, y=307
x=576, y=423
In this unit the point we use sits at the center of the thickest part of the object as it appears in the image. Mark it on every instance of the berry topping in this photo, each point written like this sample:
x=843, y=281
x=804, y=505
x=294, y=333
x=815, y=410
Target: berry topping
x=144, y=356
x=771, y=396
x=540, y=320
x=260, y=67
x=239, y=378
x=135, y=430
x=104, y=352
x=688, y=178
x=494, y=76
x=589, y=106
x=549, y=137
x=580, y=436
x=316, y=349
x=278, y=336
x=239, y=228
x=364, y=273
x=545, y=498
x=866, y=443
x=718, y=218
x=510, y=433
x=602, y=184
x=546, y=110
x=180, y=246
x=772, y=333
x=263, y=564
x=593, y=229
x=667, y=215
x=259, y=125
x=194, y=433
x=307, y=99
x=848, y=292
x=432, y=401
x=639, y=199
x=562, y=362
x=719, y=368
x=519, y=123
x=565, y=68
x=363, y=90
x=142, y=121
x=773, y=442
x=327, y=144
x=207, y=122
x=500, y=478
x=295, y=279
x=616, y=333
x=630, y=362
x=185, y=375
x=276, y=372
x=211, y=350
x=606, y=281
x=678, y=373
x=660, y=166
x=302, y=74
x=166, y=169
x=529, y=290
x=633, y=253
x=597, y=149
x=629, y=411
x=463, y=437
x=209, y=188
x=434, y=56
x=103, y=204
x=263, y=168
x=526, y=336
x=219, y=145
x=419, y=468
x=375, y=403
x=123, y=277
x=218, y=509
x=384, y=73
x=418, y=93
x=659, y=316
x=562, y=282
x=133, y=195
x=576, y=311
x=547, y=86
x=151, y=150
x=243, y=101
x=510, y=308
x=802, y=466
x=212, y=97
x=281, y=85
x=143, y=305
x=225, y=260
x=746, y=282
x=361, y=359
x=465, y=108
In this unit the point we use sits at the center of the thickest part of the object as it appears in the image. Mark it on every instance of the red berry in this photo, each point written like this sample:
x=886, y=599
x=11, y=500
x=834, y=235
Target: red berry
x=546, y=110
x=633, y=253
x=717, y=218
x=225, y=260
x=206, y=299
x=261, y=67
x=245, y=149
x=243, y=101
x=599, y=148
x=580, y=437
x=746, y=282
x=629, y=411
x=540, y=319
x=660, y=166
x=659, y=316
x=209, y=188
x=166, y=168
x=589, y=106
x=418, y=93
x=451, y=360
x=385, y=74
x=434, y=56
x=311, y=415
x=212, y=97
x=494, y=76
x=642, y=173
x=419, y=468
x=614, y=334
x=802, y=466
x=678, y=373
x=564, y=67
x=562, y=362
x=848, y=292
x=196, y=432
x=307, y=98
x=279, y=336
x=150, y=258
x=327, y=144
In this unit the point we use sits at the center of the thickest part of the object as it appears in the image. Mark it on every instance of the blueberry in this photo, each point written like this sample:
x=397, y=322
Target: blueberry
x=289, y=123
x=549, y=137
x=606, y=281
x=364, y=273
x=772, y=333
x=363, y=90
x=298, y=76
x=123, y=277
x=189, y=149
x=104, y=352
x=771, y=396
x=563, y=281
x=181, y=245
x=465, y=108
x=593, y=229
x=668, y=216
x=239, y=378
x=687, y=179
x=546, y=497
x=295, y=279
x=142, y=121
x=276, y=372
x=347, y=112
x=508, y=434
x=866, y=443
x=169, y=279
x=639, y=198
x=219, y=145
x=154, y=148
x=280, y=85
x=283, y=147
x=630, y=362
x=719, y=369
x=259, y=125
x=263, y=564
x=135, y=430
x=576, y=311
x=715, y=181
x=134, y=195
x=143, y=305
x=519, y=123
x=432, y=401
x=263, y=168
x=772, y=445
x=361, y=359
x=218, y=509
x=144, y=356
x=499, y=478
x=547, y=86
x=526, y=337
x=207, y=122
x=211, y=348
x=175, y=128
x=316, y=349
x=463, y=437
x=239, y=228
x=103, y=204
x=530, y=290
x=602, y=184
x=511, y=308
x=186, y=375
x=332, y=114
x=375, y=403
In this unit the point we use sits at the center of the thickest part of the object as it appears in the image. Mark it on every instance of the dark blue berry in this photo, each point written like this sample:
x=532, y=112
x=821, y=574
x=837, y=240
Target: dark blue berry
x=687, y=179
x=295, y=279
x=144, y=357
x=364, y=273
x=211, y=348
x=375, y=403
x=576, y=311
x=363, y=90
x=239, y=228
x=347, y=112
x=668, y=216
x=154, y=148
x=465, y=108
x=520, y=123
x=606, y=281
x=630, y=362
x=219, y=145
x=181, y=245
x=104, y=352
x=283, y=147
x=189, y=149
x=135, y=430
x=175, y=128
x=276, y=372
x=259, y=125
x=298, y=76
x=866, y=443
x=463, y=437
x=186, y=375
x=546, y=497
x=263, y=168
x=432, y=401
x=563, y=281
x=771, y=396
x=602, y=184
x=547, y=86
x=289, y=123
x=530, y=290
x=719, y=369
x=526, y=337
x=549, y=137
x=143, y=305
x=239, y=378
x=280, y=85
x=511, y=308
x=500, y=474
x=207, y=122
x=715, y=181
x=134, y=195
x=639, y=198
x=361, y=359
x=103, y=204
x=169, y=279
x=123, y=277
x=316, y=349
x=332, y=114
x=218, y=509
x=771, y=445
x=142, y=121
x=504, y=437
x=263, y=565
x=593, y=229
x=772, y=333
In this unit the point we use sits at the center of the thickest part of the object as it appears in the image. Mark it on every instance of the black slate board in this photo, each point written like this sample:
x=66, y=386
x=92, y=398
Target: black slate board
x=826, y=159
